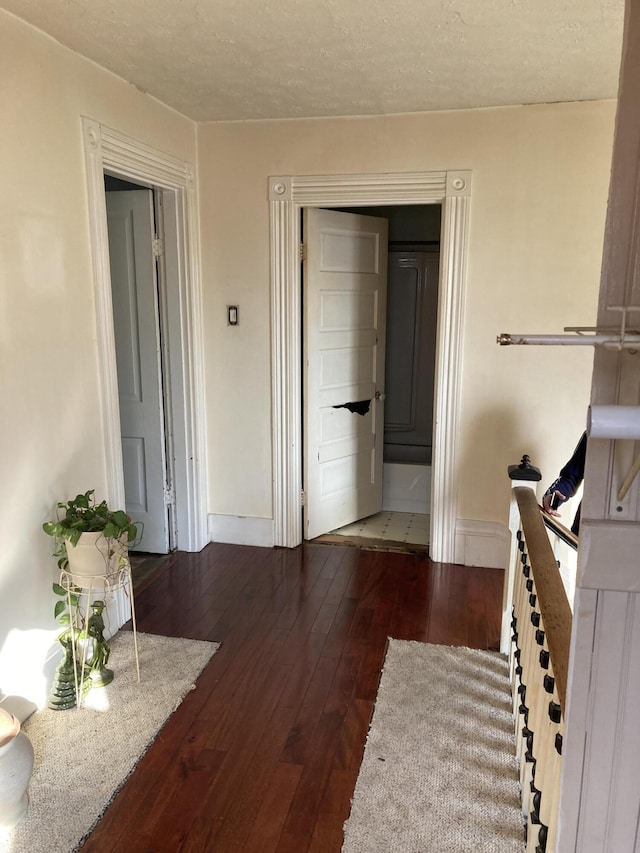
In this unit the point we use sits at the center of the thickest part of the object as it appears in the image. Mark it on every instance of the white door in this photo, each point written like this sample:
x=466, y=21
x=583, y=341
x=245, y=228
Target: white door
x=345, y=293
x=130, y=218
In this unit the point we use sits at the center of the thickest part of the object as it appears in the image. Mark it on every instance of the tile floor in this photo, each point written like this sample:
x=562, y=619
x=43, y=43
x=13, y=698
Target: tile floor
x=409, y=527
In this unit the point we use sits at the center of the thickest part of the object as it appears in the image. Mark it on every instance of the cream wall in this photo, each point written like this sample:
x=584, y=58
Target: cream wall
x=540, y=181
x=50, y=426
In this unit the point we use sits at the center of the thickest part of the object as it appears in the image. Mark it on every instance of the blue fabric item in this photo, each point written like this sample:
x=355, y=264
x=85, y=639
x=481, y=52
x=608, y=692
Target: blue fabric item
x=571, y=476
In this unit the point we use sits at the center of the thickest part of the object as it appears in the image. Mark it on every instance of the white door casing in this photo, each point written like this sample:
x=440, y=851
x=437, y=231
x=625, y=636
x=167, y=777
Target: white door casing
x=345, y=277
x=287, y=196
x=107, y=150
x=136, y=316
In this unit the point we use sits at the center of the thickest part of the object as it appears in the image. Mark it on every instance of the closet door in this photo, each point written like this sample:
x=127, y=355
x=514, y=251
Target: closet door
x=412, y=310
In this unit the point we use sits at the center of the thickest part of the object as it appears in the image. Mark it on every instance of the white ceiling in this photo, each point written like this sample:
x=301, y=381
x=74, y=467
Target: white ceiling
x=257, y=59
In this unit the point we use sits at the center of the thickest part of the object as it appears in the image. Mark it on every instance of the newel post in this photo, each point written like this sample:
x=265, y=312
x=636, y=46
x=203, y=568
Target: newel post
x=524, y=474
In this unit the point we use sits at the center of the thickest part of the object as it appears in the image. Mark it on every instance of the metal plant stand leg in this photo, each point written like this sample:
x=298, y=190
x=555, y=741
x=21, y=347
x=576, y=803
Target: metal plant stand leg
x=84, y=588
x=129, y=587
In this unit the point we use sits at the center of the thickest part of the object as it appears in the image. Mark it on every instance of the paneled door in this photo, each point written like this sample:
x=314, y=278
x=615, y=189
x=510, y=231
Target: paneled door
x=130, y=218
x=344, y=305
x=412, y=313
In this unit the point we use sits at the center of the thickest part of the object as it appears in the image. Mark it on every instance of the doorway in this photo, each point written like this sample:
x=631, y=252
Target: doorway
x=109, y=152
x=413, y=247
x=287, y=195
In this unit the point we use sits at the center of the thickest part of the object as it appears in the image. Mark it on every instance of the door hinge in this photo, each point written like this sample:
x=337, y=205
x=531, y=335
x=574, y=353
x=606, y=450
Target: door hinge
x=169, y=496
x=303, y=497
x=158, y=247
x=303, y=252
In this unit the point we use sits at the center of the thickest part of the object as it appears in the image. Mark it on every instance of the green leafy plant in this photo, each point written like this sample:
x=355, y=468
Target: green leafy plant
x=67, y=611
x=84, y=515
x=71, y=676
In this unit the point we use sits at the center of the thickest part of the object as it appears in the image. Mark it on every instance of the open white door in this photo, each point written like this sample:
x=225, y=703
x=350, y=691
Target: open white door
x=130, y=219
x=345, y=294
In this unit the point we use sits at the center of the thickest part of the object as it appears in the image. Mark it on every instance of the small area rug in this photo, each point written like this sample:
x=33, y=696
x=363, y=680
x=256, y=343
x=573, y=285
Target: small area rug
x=82, y=758
x=439, y=773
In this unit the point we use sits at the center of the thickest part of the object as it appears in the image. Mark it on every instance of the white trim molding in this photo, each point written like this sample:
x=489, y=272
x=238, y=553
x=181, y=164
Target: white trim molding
x=241, y=530
x=482, y=543
x=107, y=150
x=288, y=194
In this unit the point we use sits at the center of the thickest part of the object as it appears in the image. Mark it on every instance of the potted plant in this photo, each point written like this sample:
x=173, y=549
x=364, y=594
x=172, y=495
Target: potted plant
x=91, y=539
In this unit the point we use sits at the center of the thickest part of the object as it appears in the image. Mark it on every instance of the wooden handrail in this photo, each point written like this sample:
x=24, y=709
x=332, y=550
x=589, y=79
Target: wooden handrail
x=559, y=530
x=552, y=598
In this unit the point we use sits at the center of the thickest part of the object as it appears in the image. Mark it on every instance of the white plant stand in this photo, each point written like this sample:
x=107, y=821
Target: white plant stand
x=86, y=587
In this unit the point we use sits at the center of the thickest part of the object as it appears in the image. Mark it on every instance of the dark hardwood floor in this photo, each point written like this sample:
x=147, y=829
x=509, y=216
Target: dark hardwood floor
x=263, y=756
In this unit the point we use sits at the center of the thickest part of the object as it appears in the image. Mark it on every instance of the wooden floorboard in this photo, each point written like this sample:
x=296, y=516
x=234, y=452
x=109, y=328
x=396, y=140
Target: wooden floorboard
x=263, y=756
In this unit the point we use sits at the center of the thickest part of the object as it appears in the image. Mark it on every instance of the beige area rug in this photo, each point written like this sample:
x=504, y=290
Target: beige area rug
x=439, y=773
x=82, y=758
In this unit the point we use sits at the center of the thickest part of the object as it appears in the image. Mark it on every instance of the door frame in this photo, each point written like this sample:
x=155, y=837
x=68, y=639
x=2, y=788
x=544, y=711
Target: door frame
x=109, y=151
x=288, y=194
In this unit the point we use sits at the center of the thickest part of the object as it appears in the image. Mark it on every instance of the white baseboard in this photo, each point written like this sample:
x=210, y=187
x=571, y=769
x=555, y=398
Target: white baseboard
x=241, y=530
x=482, y=543
x=478, y=543
x=406, y=488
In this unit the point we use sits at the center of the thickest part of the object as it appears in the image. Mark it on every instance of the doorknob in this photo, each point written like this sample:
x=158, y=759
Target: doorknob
x=380, y=396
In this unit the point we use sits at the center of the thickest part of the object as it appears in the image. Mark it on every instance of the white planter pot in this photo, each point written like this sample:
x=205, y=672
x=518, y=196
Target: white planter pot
x=95, y=556
x=16, y=765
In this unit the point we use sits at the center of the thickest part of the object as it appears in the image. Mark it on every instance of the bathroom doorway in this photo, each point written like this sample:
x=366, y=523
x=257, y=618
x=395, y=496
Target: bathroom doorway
x=411, y=323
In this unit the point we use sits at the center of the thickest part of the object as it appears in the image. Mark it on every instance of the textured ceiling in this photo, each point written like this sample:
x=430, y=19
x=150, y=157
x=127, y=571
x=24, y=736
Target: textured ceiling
x=257, y=59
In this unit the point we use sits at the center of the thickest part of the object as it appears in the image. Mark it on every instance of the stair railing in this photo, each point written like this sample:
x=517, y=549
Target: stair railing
x=536, y=636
